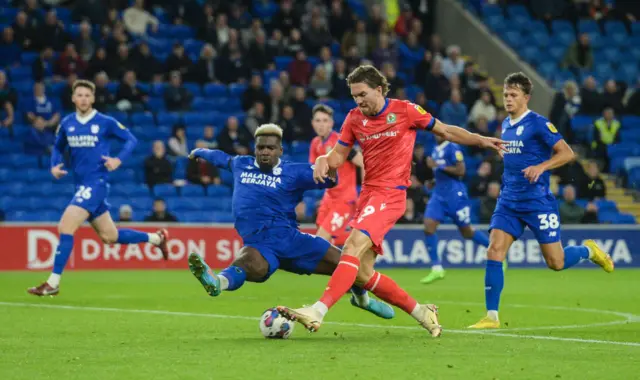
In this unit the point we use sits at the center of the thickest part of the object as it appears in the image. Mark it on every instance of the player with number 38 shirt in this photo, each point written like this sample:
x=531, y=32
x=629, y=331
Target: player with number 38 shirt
x=385, y=129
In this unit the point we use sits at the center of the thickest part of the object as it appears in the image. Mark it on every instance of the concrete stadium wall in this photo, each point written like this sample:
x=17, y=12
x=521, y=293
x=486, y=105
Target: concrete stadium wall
x=457, y=26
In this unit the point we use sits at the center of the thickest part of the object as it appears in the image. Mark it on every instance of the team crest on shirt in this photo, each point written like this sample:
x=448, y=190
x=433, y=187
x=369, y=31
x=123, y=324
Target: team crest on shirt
x=277, y=171
x=95, y=129
x=391, y=118
x=71, y=129
x=519, y=130
x=552, y=127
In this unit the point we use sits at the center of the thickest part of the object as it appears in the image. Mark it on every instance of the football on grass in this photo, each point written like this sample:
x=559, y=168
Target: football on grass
x=275, y=326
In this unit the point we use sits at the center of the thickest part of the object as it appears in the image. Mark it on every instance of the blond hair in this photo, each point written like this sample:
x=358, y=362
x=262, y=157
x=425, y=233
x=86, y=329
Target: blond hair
x=269, y=130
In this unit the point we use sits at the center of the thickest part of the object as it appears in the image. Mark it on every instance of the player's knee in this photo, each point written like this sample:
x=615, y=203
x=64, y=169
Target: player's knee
x=467, y=232
x=496, y=252
x=256, y=270
x=555, y=263
x=356, y=245
x=109, y=237
x=65, y=229
x=429, y=230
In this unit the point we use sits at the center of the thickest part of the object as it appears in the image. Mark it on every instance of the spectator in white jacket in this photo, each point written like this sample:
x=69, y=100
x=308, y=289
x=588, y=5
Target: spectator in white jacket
x=483, y=108
x=137, y=19
x=453, y=64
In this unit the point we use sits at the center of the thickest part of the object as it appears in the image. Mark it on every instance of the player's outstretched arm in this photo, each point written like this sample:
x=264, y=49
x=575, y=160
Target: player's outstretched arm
x=562, y=155
x=306, y=178
x=462, y=136
x=214, y=156
x=332, y=160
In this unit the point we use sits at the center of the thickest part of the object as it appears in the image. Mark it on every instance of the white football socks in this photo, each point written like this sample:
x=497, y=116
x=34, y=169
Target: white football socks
x=493, y=315
x=224, y=282
x=590, y=252
x=436, y=268
x=417, y=313
x=155, y=238
x=321, y=308
x=54, y=280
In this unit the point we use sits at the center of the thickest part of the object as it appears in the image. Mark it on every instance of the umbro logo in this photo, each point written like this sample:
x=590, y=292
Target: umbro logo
x=364, y=122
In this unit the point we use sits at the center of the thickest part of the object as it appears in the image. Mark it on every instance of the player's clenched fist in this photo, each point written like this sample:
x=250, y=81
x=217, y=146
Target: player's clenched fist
x=321, y=169
x=195, y=154
x=533, y=173
x=111, y=163
x=58, y=172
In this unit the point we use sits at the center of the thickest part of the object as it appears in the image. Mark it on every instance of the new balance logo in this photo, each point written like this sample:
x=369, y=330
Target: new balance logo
x=552, y=234
x=364, y=122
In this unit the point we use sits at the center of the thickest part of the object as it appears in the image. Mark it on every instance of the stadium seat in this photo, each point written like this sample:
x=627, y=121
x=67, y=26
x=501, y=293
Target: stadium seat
x=212, y=90
x=282, y=62
x=237, y=89
x=165, y=190
x=632, y=122
x=192, y=191
x=223, y=217
x=588, y=26
x=142, y=118
x=218, y=191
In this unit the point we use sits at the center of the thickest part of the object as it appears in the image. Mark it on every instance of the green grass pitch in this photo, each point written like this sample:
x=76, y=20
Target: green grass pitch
x=578, y=324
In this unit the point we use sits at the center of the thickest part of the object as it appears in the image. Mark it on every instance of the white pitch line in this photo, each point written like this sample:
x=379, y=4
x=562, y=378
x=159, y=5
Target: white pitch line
x=224, y=316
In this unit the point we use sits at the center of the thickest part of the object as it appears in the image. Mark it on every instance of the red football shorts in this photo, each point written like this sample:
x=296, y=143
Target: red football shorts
x=334, y=216
x=377, y=212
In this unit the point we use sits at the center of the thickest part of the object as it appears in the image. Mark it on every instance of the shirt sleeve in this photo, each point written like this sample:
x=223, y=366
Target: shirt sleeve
x=420, y=118
x=347, y=138
x=305, y=179
x=59, y=146
x=549, y=133
x=216, y=157
x=121, y=132
x=456, y=155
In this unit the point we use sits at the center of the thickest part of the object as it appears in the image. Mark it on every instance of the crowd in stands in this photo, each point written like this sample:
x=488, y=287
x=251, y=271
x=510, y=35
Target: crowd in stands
x=157, y=59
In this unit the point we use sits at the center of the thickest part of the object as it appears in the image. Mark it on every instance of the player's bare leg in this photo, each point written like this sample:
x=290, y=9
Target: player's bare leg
x=480, y=238
x=110, y=234
x=249, y=266
x=499, y=245
x=359, y=296
x=431, y=241
x=71, y=220
x=559, y=258
x=357, y=266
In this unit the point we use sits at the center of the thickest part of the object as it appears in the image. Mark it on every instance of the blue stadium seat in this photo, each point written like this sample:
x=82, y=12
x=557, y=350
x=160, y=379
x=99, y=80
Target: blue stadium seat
x=606, y=205
x=165, y=190
x=178, y=204
x=194, y=88
x=300, y=147
x=518, y=14
x=614, y=27
x=588, y=26
x=581, y=122
x=548, y=69
x=632, y=122
x=213, y=89
x=203, y=104
x=218, y=191
x=237, y=89
x=192, y=191
x=630, y=135
x=623, y=150
x=123, y=175
x=513, y=38
x=282, y=62
x=155, y=103
x=142, y=118
x=122, y=117
x=557, y=52
x=627, y=72
x=603, y=70
x=141, y=203
x=497, y=22
x=190, y=118
x=223, y=217
x=168, y=118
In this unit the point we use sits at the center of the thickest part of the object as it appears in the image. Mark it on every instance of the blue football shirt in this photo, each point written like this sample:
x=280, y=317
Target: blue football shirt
x=447, y=185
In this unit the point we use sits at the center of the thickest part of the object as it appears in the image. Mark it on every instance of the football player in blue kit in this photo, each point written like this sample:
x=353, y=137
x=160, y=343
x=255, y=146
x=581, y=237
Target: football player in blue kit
x=534, y=148
x=448, y=198
x=265, y=193
x=86, y=134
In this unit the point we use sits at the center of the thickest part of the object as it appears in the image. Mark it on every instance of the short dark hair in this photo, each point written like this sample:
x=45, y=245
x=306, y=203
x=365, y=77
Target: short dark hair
x=519, y=80
x=83, y=83
x=322, y=108
x=369, y=75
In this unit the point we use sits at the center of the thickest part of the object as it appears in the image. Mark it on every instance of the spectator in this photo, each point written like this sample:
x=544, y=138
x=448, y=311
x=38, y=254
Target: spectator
x=326, y=61
x=302, y=110
x=596, y=189
x=411, y=51
x=176, y=96
x=104, y=99
x=8, y=99
x=233, y=140
x=178, y=61
x=147, y=67
x=276, y=44
x=276, y=102
x=340, y=20
x=43, y=66
x=415, y=192
x=67, y=93
x=207, y=28
x=385, y=52
x=300, y=70
x=137, y=20
x=454, y=112
x=480, y=182
x=633, y=101
x=177, y=143
x=410, y=216
x=359, y=38
x=93, y=10
x=129, y=96
x=85, y=43
x=612, y=96
x=403, y=23
x=122, y=62
x=287, y=18
x=256, y=117
x=255, y=93
x=51, y=33
x=606, y=132
x=565, y=105
x=202, y=172
x=377, y=23
x=99, y=63
x=249, y=35
x=489, y=202
x=238, y=19
x=118, y=37
x=395, y=82
x=160, y=213
x=157, y=168
x=294, y=43
x=125, y=213
x=316, y=37
x=222, y=31
x=422, y=101
x=209, y=138
x=320, y=84
x=206, y=69
x=453, y=64
x=483, y=108
x=290, y=129
x=580, y=55
x=423, y=69
x=573, y=174
x=437, y=85
x=42, y=110
x=10, y=50
x=234, y=68
x=31, y=8
x=421, y=170
x=40, y=139
x=339, y=87
x=70, y=62
x=353, y=58
x=259, y=54
x=570, y=212
x=591, y=99
x=23, y=33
